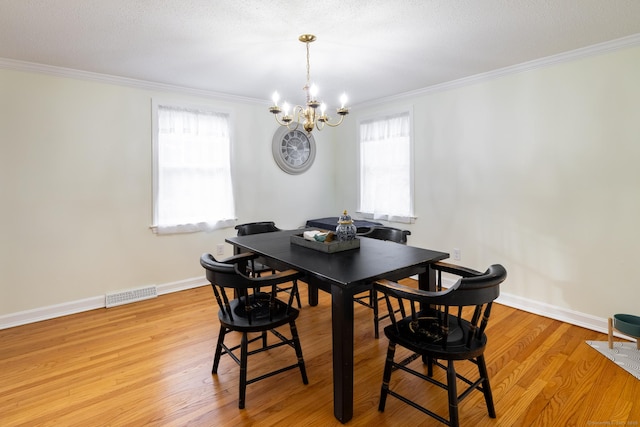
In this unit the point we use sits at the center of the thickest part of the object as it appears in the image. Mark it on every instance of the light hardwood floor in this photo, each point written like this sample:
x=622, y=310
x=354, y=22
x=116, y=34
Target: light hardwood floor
x=149, y=364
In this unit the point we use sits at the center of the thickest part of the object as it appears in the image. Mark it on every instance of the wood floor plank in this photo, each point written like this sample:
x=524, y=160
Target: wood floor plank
x=149, y=363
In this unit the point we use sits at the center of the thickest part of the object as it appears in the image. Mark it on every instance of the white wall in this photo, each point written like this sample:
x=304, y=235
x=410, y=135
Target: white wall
x=75, y=188
x=539, y=171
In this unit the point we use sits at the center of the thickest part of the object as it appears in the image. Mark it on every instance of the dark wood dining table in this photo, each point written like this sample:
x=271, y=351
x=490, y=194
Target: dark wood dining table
x=343, y=274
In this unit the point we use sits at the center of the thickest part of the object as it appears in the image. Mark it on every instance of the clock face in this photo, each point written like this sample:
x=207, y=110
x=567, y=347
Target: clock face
x=293, y=150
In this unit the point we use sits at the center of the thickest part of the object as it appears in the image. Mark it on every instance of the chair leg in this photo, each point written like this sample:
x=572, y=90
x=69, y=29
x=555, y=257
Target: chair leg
x=243, y=370
x=386, y=376
x=298, y=347
x=216, y=358
x=429, y=363
x=296, y=293
x=298, y=298
x=453, y=395
x=486, y=387
x=293, y=293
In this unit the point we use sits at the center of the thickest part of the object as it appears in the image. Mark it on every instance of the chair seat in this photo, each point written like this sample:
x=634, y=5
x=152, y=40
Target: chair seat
x=424, y=337
x=262, y=314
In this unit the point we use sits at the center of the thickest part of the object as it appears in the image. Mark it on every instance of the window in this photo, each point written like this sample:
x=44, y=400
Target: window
x=386, y=168
x=192, y=188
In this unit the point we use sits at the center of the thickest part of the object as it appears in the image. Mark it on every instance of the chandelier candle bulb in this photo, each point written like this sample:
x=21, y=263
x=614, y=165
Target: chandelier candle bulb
x=343, y=100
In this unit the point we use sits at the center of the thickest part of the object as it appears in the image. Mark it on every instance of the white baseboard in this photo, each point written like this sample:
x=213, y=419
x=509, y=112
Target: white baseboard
x=566, y=315
x=577, y=318
x=543, y=309
x=72, y=307
x=50, y=312
x=182, y=285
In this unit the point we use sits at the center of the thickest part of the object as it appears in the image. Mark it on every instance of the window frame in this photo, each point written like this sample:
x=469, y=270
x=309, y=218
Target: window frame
x=409, y=219
x=185, y=228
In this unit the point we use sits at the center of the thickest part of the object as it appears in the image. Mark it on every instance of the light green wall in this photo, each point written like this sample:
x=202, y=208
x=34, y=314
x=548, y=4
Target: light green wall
x=539, y=171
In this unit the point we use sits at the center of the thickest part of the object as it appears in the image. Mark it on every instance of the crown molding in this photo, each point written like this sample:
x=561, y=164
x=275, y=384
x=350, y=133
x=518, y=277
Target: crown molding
x=573, y=55
x=597, y=49
x=13, y=64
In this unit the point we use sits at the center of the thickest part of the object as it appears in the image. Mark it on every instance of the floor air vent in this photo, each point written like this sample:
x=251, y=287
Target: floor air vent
x=133, y=295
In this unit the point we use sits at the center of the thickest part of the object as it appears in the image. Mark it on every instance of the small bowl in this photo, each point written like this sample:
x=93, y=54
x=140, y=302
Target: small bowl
x=627, y=324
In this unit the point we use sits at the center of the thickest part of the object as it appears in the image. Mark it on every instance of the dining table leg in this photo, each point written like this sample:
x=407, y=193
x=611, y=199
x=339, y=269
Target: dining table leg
x=342, y=328
x=312, y=292
x=427, y=279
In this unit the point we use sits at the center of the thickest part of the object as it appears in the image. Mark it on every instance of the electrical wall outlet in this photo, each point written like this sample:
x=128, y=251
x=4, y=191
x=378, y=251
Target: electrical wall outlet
x=220, y=249
x=457, y=254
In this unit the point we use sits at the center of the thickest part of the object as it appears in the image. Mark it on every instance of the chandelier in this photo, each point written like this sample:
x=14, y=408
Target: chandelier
x=307, y=115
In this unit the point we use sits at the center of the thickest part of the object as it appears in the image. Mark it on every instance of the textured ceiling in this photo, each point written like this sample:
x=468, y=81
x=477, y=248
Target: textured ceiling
x=369, y=48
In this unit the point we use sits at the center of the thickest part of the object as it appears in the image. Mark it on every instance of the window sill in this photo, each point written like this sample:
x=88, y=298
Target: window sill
x=388, y=218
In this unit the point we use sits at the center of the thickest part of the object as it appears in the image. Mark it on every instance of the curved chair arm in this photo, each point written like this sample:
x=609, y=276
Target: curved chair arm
x=406, y=292
x=458, y=270
x=235, y=259
x=273, y=279
x=229, y=263
x=235, y=272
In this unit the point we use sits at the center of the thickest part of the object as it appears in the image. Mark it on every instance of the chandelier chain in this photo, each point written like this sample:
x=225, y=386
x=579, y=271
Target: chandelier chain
x=308, y=66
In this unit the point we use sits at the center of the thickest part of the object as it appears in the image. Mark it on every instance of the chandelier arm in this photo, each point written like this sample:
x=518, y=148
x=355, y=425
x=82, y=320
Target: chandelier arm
x=334, y=124
x=293, y=128
x=278, y=120
x=287, y=123
x=298, y=110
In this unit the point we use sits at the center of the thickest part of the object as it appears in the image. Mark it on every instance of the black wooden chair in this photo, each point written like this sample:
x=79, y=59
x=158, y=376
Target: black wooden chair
x=371, y=299
x=258, y=266
x=387, y=233
x=256, y=309
x=444, y=325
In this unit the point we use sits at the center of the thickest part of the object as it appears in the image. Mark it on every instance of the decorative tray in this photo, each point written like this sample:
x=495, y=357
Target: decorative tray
x=327, y=247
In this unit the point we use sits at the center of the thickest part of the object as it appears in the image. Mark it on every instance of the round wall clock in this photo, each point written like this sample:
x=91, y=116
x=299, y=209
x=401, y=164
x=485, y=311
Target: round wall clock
x=293, y=150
